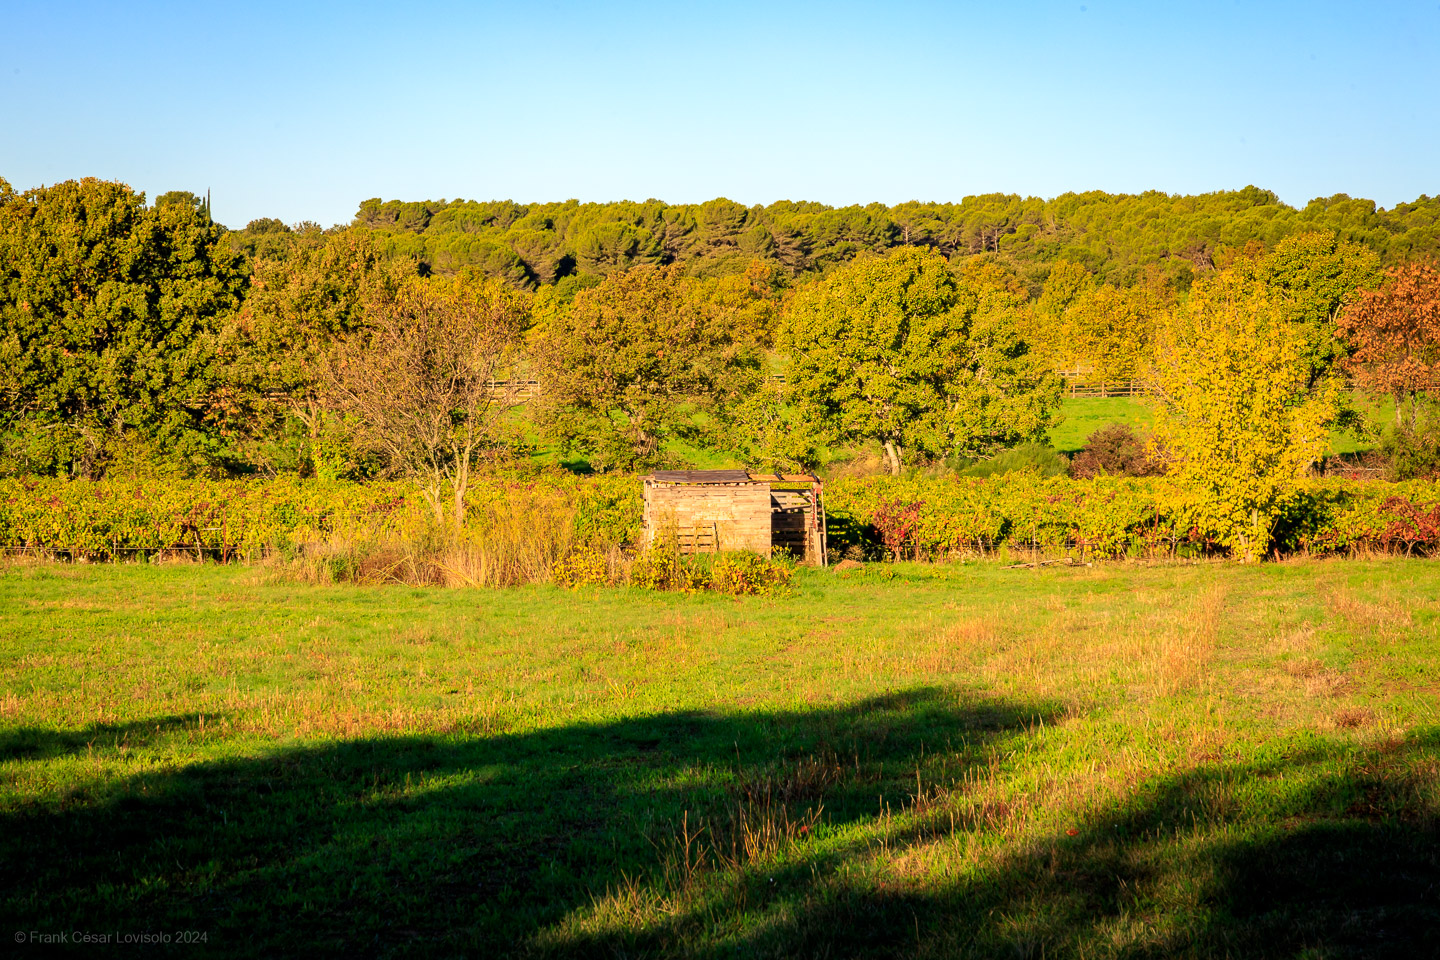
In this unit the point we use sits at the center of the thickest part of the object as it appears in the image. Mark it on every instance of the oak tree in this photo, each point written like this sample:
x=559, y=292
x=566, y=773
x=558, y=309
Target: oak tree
x=903, y=351
x=109, y=316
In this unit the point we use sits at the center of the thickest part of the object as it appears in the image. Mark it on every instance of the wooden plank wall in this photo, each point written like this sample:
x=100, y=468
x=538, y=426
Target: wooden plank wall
x=705, y=517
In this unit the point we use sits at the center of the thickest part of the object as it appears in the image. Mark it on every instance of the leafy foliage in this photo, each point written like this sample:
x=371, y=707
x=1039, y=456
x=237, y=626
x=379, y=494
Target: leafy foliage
x=1037, y=458
x=1412, y=450
x=1079, y=323
x=109, y=317
x=1236, y=422
x=1115, y=450
x=1395, y=330
x=1313, y=277
x=1414, y=525
x=308, y=290
x=246, y=518
x=900, y=350
x=631, y=361
x=1124, y=240
x=913, y=515
x=1105, y=516
x=769, y=432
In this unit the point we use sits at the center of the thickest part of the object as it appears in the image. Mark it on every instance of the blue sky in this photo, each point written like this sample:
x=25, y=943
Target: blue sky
x=301, y=110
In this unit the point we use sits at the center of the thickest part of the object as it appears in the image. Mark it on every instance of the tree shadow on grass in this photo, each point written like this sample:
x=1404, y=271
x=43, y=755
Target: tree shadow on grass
x=48, y=743
x=520, y=844
x=456, y=843
x=1328, y=853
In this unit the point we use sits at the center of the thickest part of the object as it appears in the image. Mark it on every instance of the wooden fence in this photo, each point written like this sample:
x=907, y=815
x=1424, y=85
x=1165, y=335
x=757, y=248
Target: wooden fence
x=1105, y=388
x=521, y=391
x=518, y=390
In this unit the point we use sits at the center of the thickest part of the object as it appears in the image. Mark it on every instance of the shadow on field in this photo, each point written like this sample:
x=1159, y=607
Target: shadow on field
x=468, y=845
x=46, y=743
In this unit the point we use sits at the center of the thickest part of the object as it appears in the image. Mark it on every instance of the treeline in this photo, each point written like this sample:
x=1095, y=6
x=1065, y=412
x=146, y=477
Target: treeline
x=139, y=336
x=1120, y=239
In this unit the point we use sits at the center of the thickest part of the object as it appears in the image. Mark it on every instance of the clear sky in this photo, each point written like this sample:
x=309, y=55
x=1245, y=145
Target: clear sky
x=301, y=110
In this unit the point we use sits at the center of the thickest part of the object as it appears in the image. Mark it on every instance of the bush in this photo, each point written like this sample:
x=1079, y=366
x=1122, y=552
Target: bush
x=747, y=574
x=1037, y=458
x=1413, y=453
x=588, y=568
x=1114, y=451
x=736, y=574
x=936, y=517
x=662, y=569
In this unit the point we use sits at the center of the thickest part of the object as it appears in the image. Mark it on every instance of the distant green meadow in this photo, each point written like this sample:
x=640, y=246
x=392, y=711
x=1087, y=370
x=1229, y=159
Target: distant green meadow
x=1082, y=416
x=895, y=760
x=1079, y=417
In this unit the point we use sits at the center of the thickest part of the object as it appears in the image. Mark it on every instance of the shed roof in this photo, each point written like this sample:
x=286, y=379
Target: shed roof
x=729, y=476
x=702, y=476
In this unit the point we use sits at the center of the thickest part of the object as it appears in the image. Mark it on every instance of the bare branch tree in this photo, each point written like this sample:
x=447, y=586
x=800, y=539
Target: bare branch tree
x=418, y=381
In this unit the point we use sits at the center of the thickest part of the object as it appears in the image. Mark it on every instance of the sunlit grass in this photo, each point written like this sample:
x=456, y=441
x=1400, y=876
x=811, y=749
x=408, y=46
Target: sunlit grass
x=949, y=760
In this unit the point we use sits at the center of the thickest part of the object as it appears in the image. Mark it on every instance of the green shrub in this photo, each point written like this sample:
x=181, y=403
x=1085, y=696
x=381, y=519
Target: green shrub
x=1413, y=452
x=1038, y=458
x=746, y=574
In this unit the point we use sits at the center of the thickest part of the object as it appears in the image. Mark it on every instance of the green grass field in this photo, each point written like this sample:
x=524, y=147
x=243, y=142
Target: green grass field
x=1083, y=416
x=961, y=760
x=1080, y=417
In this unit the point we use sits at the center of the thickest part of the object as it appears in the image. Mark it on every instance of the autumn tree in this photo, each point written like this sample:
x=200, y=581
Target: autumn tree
x=1080, y=323
x=304, y=296
x=1394, y=332
x=903, y=351
x=629, y=364
x=747, y=305
x=1237, y=421
x=416, y=381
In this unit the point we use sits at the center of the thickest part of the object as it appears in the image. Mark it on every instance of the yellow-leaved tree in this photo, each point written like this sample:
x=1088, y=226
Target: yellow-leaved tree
x=1103, y=331
x=1237, y=419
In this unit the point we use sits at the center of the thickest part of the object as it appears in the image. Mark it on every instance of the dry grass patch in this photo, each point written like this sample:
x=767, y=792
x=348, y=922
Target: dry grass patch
x=1186, y=651
x=1348, y=718
x=954, y=647
x=1388, y=616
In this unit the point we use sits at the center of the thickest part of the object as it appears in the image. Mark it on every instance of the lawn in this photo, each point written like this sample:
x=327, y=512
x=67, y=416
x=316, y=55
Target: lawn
x=1082, y=416
x=1079, y=417
x=902, y=760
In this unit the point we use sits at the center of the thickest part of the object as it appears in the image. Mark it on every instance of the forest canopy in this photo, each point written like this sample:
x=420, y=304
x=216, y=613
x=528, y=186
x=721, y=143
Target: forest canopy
x=1115, y=237
x=137, y=335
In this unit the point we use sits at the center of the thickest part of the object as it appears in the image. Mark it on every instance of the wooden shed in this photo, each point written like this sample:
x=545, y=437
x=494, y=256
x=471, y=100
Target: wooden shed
x=713, y=510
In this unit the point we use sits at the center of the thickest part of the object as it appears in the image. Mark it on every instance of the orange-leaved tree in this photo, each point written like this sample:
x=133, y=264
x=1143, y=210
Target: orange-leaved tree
x=1395, y=334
